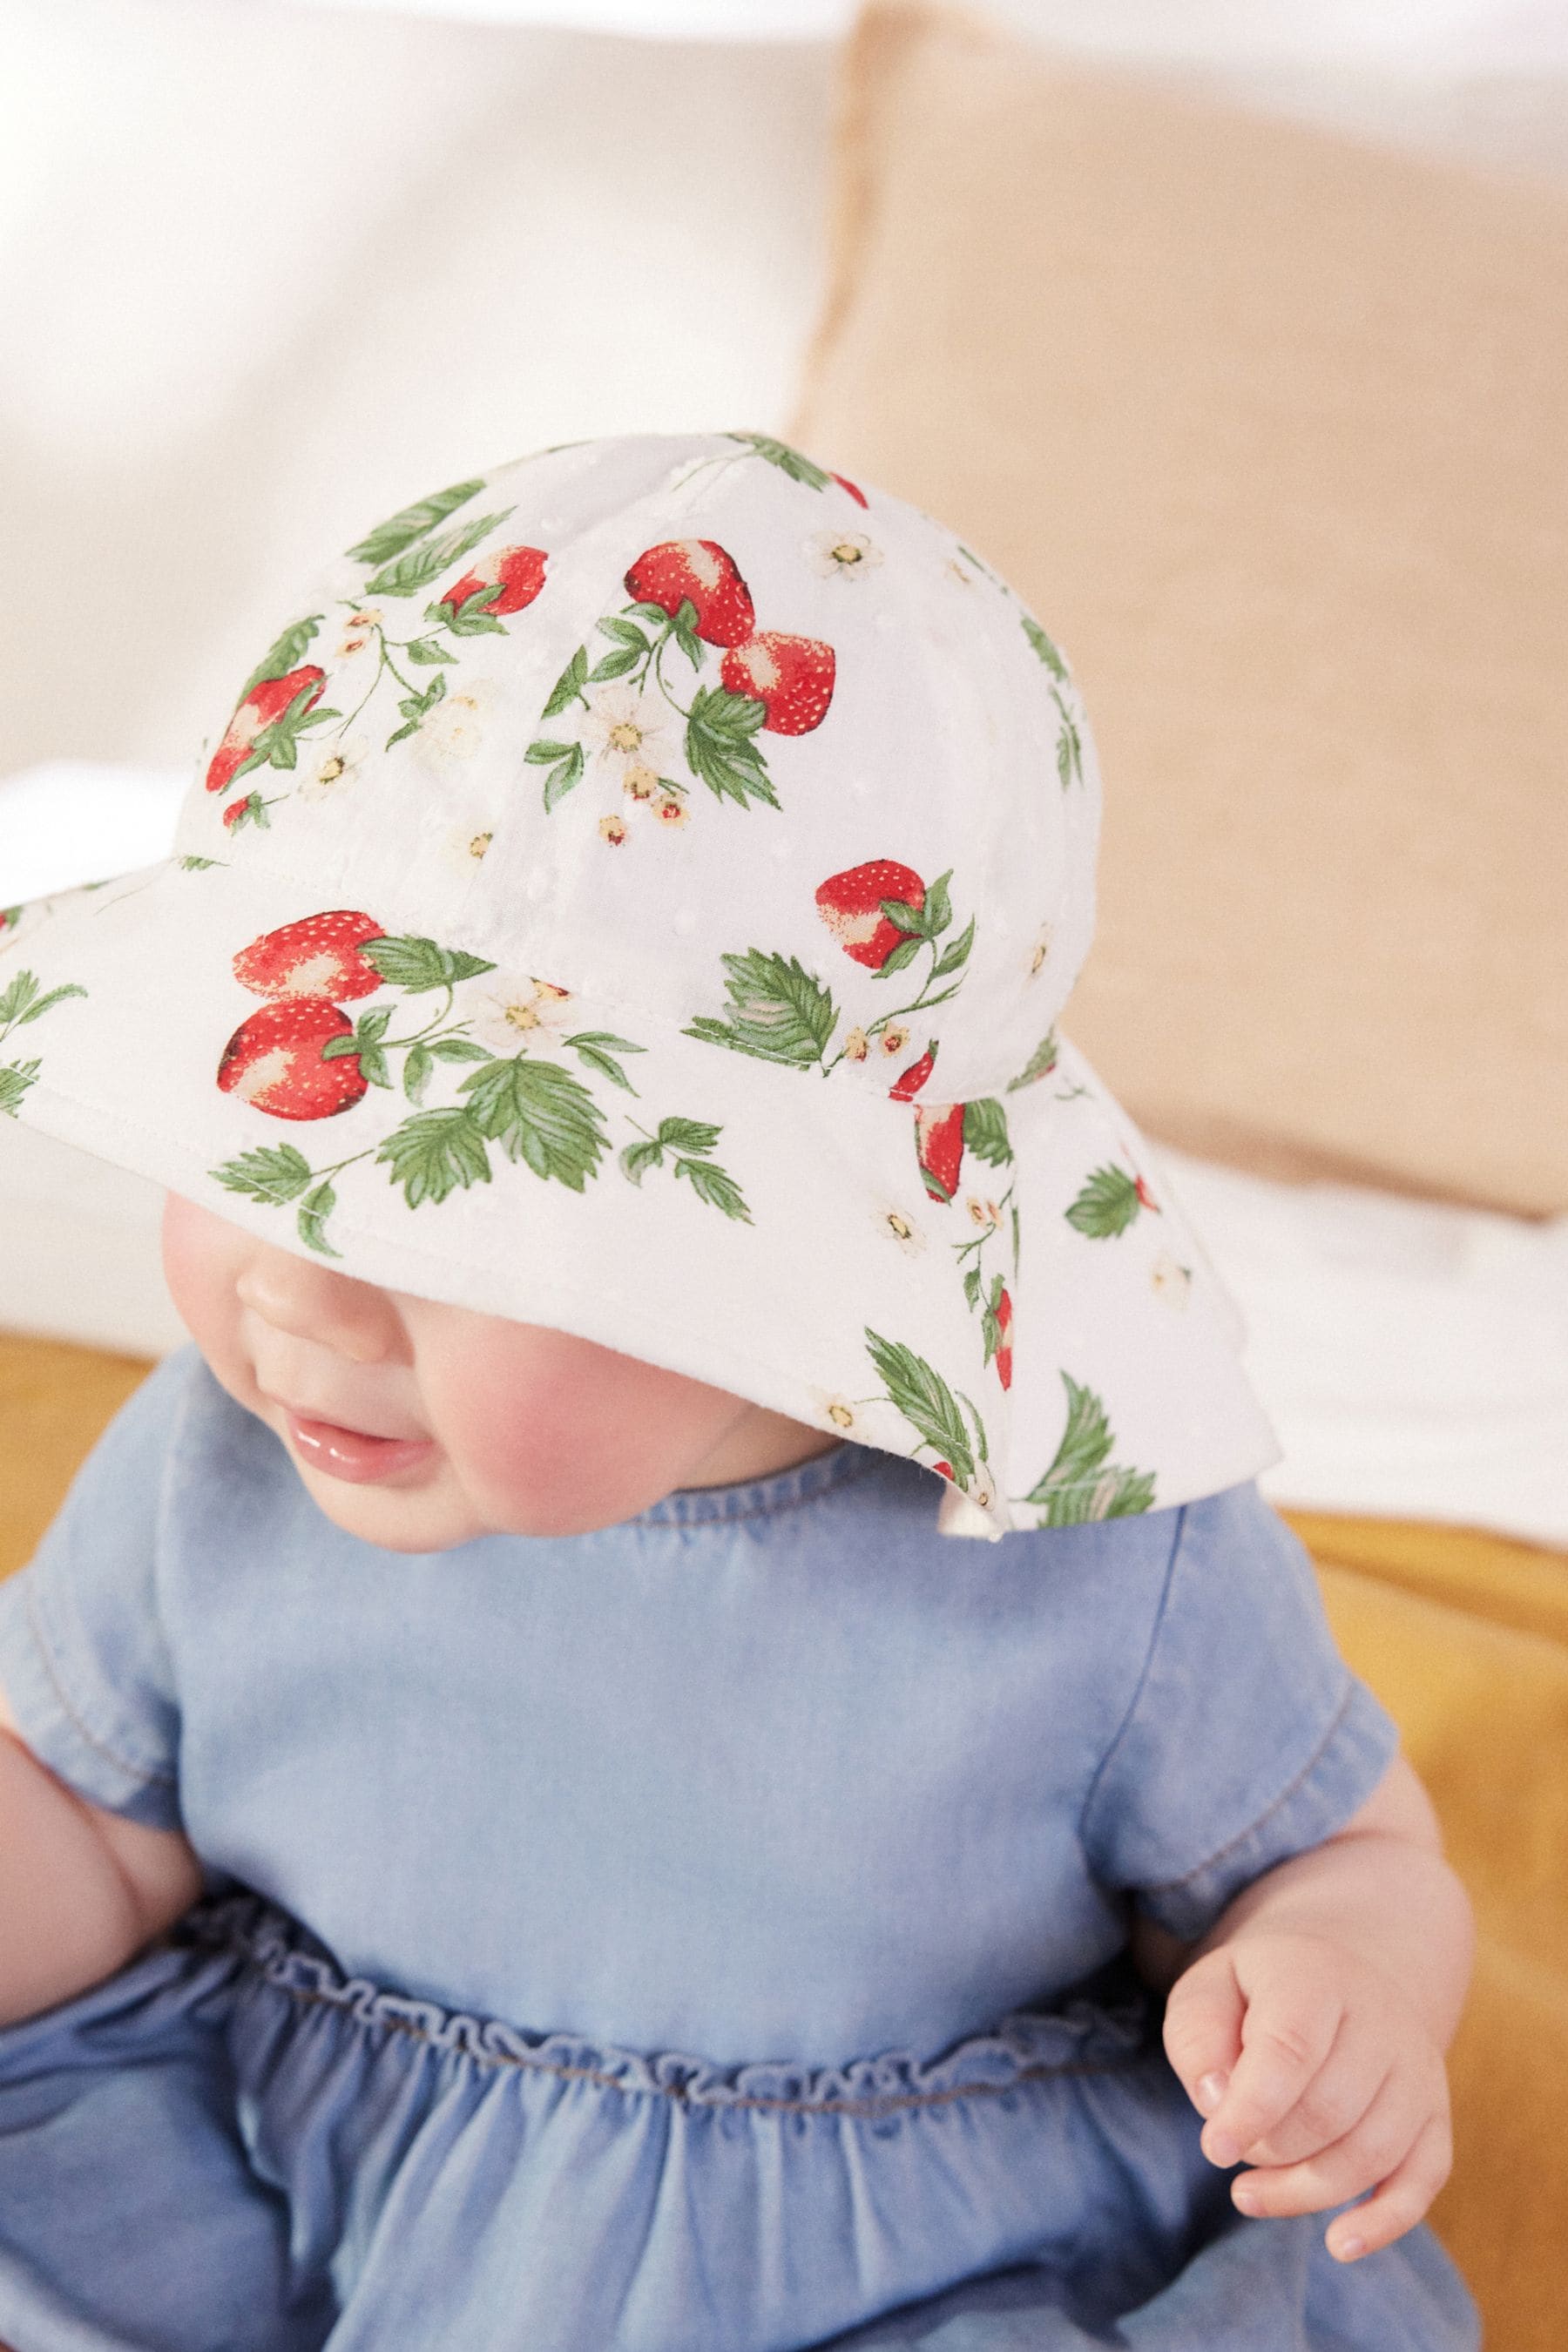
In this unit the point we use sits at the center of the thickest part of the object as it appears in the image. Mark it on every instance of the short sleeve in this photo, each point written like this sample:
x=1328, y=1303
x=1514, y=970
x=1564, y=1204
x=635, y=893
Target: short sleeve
x=83, y=1659
x=1248, y=1739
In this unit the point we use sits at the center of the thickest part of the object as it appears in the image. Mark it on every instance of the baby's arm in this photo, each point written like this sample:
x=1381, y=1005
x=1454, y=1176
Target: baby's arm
x=1310, y=2025
x=81, y=1889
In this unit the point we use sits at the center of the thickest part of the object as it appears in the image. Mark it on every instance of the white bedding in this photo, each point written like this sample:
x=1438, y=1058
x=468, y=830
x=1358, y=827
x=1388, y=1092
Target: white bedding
x=1414, y=1357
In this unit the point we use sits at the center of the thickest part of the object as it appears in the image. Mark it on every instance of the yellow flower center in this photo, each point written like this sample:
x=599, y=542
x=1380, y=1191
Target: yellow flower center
x=519, y=1015
x=900, y=1226
x=624, y=737
x=332, y=769
x=479, y=844
x=841, y=1416
x=846, y=553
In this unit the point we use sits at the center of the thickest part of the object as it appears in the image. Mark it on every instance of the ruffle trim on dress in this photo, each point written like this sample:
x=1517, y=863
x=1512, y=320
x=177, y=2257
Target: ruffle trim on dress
x=1086, y=2036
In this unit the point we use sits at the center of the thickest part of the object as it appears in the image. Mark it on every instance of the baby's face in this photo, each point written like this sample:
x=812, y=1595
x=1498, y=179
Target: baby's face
x=515, y=1429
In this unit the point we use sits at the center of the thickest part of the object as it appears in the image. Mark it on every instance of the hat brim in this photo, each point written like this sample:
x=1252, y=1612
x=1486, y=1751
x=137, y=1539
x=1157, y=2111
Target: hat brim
x=591, y=1167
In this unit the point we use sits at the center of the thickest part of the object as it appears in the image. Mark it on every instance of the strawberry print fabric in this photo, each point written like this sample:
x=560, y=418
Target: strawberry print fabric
x=637, y=889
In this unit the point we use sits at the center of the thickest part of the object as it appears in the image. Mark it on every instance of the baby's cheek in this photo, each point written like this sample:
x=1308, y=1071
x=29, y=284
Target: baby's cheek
x=562, y=1436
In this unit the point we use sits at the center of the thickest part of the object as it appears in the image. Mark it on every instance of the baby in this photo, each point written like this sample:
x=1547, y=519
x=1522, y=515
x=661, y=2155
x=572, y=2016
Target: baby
x=521, y=1826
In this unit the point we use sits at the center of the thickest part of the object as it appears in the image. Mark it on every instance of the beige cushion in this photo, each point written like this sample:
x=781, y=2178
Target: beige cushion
x=1272, y=429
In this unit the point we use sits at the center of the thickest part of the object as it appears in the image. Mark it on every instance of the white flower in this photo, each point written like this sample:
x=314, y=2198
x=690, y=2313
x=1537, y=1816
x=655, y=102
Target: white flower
x=513, y=1009
x=455, y=728
x=329, y=769
x=842, y=555
x=464, y=845
x=899, y=1226
x=359, y=631
x=840, y=1414
x=1169, y=1281
x=626, y=725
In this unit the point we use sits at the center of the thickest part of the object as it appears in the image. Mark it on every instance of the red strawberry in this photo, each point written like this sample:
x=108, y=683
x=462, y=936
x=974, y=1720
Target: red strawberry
x=1004, y=1358
x=519, y=571
x=939, y=1147
x=1146, y=1197
x=274, y=1061
x=915, y=1076
x=313, y=957
x=850, y=904
x=792, y=678
x=859, y=496
x=943, y=1469
x=261, y=706
x=700, y=569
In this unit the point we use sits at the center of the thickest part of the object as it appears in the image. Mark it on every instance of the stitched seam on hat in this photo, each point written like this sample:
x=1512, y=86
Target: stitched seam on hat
x=142, y=1773
x=1243, y=1837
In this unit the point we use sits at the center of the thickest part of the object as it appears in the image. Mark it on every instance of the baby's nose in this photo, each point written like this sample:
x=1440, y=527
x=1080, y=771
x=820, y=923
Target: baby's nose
x=355, y=1320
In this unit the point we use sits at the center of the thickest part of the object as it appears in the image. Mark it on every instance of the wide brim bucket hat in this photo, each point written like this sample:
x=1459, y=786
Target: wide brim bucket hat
x=636, y=893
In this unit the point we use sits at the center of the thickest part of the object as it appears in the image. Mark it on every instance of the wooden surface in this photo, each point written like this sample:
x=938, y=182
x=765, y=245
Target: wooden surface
x=55, y=1401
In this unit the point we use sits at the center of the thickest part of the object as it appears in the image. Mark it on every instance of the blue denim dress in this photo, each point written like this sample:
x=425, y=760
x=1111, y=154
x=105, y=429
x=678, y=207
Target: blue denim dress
x=703, y=1936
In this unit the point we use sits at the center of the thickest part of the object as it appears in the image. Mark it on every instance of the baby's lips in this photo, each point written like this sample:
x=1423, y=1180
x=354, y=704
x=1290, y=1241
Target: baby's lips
x=273, y=1061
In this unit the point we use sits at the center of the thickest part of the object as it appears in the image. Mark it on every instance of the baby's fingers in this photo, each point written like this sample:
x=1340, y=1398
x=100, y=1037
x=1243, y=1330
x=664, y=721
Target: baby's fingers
x=1402, y=2150
x=1203, y=2029
x=1290, y=2022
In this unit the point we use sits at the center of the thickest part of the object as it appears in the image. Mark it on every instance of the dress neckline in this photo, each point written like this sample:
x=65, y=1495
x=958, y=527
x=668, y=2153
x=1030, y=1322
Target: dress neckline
x=750, y=1498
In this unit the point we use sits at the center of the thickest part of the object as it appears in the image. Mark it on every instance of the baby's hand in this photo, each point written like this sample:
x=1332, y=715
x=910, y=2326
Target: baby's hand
x=1312, y=2067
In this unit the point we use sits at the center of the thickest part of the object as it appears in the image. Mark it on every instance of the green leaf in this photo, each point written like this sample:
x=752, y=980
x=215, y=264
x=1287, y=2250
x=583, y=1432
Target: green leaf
x=433, y=1152
x=1040, y=1063
x=683, y=626
x=718, y=747
x=777, y=1010
x=409, y=573
x=16, y=1000
x=539, y=1112
x=1084, y=1443
x=416, y=708
x=313, y=1214
x=979, y=1426
x=472, y=617
x=1069, y=748
x=590, y=1046
x=42, y=1003
x=655, y=615
x=568, y=686
x=904, y=953
x=566, y=764
x=373, y=1066
x=971, y=1285
x=799, y=468
x=687, y=1134
x=401, y=530
x=275, y=1173
x=285, y=653
x=938, y=905
x=905, y=918
x=416, y=1072
x=460, y=1049
x=985, y=1131
x=625, y=631
x=16, y=1077
x=639, y=1158
x=711, y=1184
x=374, y=1025
x=926, y=1402
x=429, y=649
x=416, y=964
x=1107, y=1204
x=955, y=953
x=614, y=664
x=193, y=865
x=1045, y=648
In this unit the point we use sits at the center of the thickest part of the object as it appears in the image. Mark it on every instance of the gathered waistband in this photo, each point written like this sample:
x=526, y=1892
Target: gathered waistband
x=1105, y=2025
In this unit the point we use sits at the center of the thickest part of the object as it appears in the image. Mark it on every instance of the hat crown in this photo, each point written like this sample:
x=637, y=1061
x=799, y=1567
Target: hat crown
x=688, y=724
